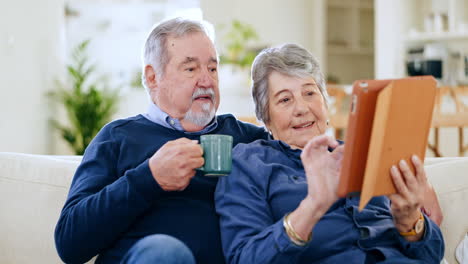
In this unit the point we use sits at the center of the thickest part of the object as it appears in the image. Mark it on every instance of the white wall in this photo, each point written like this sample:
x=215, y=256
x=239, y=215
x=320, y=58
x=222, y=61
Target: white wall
x=277, y=21
x=389, y=36
x=393, y=20
x=34, y=47
x=31, y=53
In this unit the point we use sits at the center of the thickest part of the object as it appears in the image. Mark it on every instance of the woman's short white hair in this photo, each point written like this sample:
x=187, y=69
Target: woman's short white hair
x=155, y=50
x=288, y=59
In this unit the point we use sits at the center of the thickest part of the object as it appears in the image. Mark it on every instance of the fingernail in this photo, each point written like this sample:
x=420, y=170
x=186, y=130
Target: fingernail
x=394, y=169
x=403, y=163
x=415, y=158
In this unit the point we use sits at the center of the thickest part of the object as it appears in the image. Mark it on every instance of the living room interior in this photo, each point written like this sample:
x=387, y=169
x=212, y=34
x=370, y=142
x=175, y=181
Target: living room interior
x=41, y=48
x=353, y=40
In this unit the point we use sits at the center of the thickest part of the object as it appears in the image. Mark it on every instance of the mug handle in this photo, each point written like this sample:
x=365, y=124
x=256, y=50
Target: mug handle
x=200, y=168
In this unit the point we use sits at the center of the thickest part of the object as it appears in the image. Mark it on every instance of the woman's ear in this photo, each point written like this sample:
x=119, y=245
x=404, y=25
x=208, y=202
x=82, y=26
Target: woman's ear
x=267, y=126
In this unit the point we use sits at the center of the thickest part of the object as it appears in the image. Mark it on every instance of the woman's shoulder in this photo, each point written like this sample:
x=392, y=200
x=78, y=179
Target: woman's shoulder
x=259, y=154
x=251, y=165
x=257, y=147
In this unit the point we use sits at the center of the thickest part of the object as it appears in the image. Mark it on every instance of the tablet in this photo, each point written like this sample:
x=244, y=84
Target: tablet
x=389, y=120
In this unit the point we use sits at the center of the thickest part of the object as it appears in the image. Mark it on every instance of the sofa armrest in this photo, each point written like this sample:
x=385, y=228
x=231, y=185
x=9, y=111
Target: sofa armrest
x=449, y=177
x=33, y=189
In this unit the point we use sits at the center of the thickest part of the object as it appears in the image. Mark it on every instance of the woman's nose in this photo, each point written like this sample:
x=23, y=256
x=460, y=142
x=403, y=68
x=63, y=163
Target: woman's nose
x=300, y=107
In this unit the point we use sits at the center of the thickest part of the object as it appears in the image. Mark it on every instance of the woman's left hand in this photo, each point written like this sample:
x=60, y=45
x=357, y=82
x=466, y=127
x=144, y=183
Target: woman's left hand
x=407, y=202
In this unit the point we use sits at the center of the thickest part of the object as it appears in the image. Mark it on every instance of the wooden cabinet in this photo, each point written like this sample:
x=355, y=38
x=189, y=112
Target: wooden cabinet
x=432, y=20
x=349, y=40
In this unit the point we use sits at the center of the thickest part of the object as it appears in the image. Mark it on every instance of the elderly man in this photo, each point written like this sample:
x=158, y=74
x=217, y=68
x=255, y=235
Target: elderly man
x=136, y=197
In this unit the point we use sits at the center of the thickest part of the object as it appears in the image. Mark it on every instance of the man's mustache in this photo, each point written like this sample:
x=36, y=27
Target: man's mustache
x=204, y=91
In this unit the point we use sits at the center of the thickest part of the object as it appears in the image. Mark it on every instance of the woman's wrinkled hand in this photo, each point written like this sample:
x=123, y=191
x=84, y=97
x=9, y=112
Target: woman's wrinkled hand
x=322, y=169
x=410, y=187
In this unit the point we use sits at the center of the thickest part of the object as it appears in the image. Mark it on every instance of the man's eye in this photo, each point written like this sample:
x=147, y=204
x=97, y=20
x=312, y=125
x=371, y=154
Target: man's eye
x=213, y=69
x=190, y=69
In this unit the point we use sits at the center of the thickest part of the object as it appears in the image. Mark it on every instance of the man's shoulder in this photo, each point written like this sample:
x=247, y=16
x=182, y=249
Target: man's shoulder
x=226, y=118
x=227, y=123
x=125, y=121
x=115, y=127
x=231, y=119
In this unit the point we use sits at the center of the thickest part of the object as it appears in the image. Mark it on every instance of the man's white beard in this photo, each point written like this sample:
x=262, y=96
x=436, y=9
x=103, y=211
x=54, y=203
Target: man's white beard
x=201, y=118
x=204, y=117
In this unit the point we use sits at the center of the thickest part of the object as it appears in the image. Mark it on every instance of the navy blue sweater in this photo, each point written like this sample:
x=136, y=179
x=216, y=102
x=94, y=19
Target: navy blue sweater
x=114, y=200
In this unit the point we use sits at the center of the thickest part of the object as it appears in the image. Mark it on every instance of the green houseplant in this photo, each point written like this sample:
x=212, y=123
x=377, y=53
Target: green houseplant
x=236, y=58
x=237, y=40
x=88, y=104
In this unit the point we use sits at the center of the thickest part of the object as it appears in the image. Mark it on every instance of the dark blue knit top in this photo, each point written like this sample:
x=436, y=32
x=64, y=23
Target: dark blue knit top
x=268, y=180
x=114, y=200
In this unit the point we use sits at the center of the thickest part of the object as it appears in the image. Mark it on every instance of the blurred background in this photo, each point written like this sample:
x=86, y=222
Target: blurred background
x=69, y=66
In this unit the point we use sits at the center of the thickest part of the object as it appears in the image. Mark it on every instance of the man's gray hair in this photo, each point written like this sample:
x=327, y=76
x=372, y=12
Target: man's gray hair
x=155, y=51
x=288, y=59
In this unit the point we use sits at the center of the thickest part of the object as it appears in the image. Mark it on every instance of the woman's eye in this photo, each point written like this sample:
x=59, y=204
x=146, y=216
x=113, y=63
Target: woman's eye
x=284, y=100
x=310, y=93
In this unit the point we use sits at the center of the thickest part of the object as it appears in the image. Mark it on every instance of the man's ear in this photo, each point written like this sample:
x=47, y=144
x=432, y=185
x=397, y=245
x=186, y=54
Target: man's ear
x=150, y=77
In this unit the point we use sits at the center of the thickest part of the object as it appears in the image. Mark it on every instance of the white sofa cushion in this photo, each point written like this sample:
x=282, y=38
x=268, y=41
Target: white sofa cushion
x=27, y=184
x=33, y=189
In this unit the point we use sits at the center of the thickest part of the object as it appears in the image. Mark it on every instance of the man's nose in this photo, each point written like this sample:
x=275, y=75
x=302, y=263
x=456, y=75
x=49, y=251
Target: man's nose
x=205, y=79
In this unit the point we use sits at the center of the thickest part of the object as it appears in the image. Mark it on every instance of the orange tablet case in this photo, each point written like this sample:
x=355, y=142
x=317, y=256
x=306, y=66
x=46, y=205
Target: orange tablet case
x=389, y=121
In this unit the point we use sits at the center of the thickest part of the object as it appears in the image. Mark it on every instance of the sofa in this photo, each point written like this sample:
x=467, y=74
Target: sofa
x=33, y=189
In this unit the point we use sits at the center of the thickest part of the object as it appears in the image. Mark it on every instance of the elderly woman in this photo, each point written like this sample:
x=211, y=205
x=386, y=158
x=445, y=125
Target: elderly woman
x=279, y=204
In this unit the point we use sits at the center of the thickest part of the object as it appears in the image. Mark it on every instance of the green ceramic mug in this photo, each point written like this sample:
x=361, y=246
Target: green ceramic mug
x=217, y=152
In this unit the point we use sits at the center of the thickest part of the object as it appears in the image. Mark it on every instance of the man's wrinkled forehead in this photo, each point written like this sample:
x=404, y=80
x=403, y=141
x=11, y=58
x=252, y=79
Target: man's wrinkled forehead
x=172, y=39
x=189, y=60
x=177, y=47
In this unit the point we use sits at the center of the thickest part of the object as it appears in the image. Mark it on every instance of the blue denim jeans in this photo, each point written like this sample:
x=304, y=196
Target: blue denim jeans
x=161, y=249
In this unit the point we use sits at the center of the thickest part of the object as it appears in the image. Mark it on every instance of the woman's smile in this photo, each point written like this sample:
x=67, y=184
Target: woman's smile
x=304, y=126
